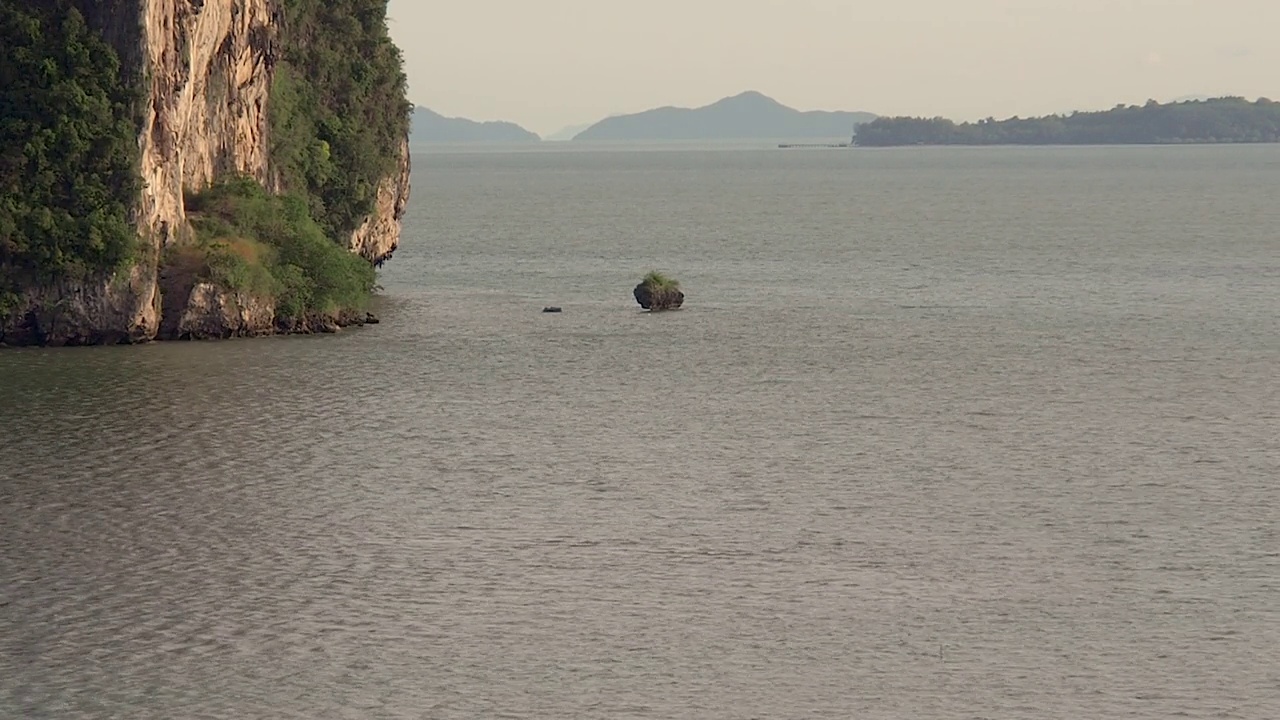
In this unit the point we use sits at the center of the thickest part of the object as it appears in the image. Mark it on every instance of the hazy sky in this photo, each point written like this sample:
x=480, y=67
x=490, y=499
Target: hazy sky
x=550, y=63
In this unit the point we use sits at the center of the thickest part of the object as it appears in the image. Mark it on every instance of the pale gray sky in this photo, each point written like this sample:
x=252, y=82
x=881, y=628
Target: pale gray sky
x=550, y=63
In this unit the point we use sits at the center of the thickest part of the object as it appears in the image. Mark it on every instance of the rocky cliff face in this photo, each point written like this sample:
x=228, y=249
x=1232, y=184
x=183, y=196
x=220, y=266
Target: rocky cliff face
x=210, y=313
x=102, y=311
x=207, y=66
x=379, y=236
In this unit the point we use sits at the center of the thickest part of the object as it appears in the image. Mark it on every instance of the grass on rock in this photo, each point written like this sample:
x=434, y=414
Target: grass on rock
x=657, y=281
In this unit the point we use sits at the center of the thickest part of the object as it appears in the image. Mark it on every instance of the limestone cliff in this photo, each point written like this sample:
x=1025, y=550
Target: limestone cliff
x=208, y=64
x=379, y=236
x=207, y=68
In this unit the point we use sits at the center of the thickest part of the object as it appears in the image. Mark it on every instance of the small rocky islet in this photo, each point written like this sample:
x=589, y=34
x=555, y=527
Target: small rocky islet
x=658, y=292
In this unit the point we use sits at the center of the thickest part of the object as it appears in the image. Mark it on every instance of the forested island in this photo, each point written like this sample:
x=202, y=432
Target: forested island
x=233, y=167
x=1220, y=120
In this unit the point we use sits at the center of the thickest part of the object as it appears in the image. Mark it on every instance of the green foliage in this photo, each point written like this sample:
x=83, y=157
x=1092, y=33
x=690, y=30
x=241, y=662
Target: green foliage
x=338, y=108
x=1223, y=120
x=69, y=160
x=68, y=148
x=229, y=265
x=657, y=281
x=8, y=299
x=338, y=115
x=270, y=245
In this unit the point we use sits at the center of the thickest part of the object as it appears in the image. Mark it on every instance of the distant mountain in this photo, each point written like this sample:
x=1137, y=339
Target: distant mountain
x=567, y=133
x=431, y=127
x=746, y=116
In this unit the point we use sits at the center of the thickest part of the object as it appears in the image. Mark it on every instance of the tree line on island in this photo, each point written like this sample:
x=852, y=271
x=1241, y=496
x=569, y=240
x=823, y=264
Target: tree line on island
x=1220, y=120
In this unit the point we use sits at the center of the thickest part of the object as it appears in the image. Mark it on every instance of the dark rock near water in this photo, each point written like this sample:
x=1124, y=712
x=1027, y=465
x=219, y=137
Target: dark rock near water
x=323, y=324
x=658, y=298
x=97, y=310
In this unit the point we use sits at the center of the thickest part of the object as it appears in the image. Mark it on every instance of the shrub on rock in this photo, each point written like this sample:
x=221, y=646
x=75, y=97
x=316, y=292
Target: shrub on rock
x=659, y=292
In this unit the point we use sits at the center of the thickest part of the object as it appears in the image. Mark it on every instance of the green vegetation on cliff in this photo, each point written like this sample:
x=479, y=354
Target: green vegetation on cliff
x=70, y=180
x=338, y=108
x=268, y=245
x=69, y=175
x=1224, y=120
x=338, y=116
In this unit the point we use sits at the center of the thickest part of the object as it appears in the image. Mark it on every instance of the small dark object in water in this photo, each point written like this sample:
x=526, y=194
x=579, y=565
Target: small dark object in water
x=371, y=319
x=551, y=309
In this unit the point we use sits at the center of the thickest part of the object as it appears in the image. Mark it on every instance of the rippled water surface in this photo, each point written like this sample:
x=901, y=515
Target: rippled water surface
x=940, y=434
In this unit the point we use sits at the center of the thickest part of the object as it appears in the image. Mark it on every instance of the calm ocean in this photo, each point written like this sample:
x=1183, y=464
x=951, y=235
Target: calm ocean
x=940, y=433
